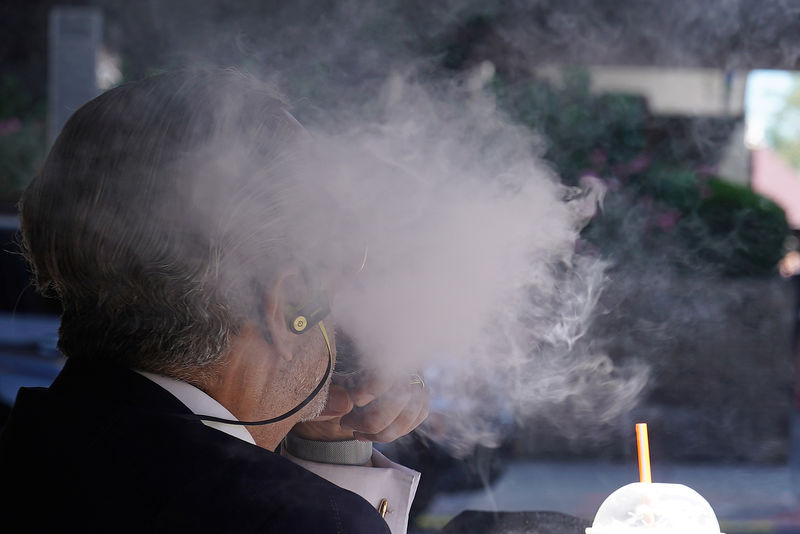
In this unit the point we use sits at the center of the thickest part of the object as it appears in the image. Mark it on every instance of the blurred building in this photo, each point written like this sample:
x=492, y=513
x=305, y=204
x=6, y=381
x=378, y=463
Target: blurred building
x=701, y=92
x=773, y=177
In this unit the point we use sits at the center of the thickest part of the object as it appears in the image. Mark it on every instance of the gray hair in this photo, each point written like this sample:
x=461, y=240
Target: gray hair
x=160, y=214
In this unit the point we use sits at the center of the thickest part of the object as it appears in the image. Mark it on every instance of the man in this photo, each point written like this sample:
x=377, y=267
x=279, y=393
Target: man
x=187, y=232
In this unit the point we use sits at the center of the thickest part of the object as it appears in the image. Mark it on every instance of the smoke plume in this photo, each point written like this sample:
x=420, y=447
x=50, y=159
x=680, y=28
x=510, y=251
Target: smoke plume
x=472, y=274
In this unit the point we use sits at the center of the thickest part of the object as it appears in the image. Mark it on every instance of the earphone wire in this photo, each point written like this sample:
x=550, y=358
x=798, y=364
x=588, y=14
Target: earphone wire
x=291, y=412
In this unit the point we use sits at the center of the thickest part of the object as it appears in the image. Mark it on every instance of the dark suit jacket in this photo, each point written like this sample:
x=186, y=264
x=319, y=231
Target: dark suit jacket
x=101, y=451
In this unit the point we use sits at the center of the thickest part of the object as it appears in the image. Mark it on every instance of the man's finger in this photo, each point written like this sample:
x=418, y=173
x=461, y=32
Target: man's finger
x=403, y=423
x=379, y=413
x=338, y=404
x=371, y=385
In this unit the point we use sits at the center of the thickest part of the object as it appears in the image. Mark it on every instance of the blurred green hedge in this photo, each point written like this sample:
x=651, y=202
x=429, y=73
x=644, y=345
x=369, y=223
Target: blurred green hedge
x=752, y=228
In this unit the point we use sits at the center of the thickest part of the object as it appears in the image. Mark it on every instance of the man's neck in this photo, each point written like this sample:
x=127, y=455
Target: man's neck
x=249, y=384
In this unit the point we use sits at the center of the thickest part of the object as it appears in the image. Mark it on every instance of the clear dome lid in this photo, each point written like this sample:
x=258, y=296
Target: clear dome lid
x=655, y=508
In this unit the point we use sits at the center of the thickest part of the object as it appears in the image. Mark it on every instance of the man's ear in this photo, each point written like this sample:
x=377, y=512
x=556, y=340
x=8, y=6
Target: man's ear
x=285, y=292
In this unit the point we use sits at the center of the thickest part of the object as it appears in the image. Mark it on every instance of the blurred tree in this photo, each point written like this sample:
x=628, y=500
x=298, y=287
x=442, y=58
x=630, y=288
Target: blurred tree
x=585, y=133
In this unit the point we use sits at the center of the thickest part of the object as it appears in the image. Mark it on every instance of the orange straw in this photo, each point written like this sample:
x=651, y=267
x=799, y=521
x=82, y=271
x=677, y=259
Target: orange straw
x=643, y=446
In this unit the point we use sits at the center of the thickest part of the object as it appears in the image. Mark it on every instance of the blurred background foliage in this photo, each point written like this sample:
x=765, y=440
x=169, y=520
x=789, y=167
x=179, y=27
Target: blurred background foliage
x=655, y=174
x=22, y=138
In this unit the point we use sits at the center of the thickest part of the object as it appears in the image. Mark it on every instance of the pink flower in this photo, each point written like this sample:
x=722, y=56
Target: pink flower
x=10, y=126
x=636, y=165
x=703, y=188
x=666, y=220
x=613, y=184
x=598, y=158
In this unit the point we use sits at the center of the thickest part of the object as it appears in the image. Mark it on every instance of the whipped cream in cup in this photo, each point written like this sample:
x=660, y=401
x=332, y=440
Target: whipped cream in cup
x=655, y=508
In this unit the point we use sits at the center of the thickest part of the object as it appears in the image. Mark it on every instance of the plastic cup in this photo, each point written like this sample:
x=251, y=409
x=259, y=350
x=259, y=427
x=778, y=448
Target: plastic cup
x=655, y=508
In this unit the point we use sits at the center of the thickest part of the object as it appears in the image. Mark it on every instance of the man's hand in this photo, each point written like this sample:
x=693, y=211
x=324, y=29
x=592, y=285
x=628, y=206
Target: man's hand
x=375, y=409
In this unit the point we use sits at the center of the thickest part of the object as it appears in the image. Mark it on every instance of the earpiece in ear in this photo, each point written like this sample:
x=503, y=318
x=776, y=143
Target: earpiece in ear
x=301, y=318
x=299, y=324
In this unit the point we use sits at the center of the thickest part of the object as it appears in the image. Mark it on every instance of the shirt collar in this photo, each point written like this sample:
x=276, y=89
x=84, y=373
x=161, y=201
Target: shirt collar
x=200, y=403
